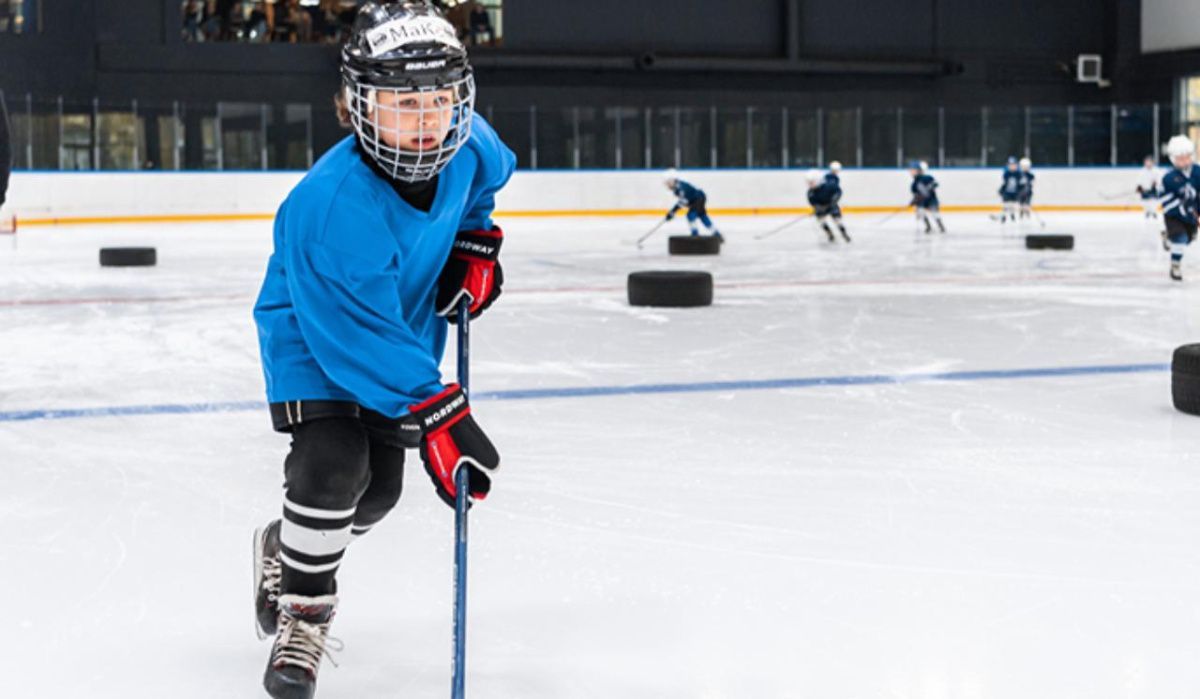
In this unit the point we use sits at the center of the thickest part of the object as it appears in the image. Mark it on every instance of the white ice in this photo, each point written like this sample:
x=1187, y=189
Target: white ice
x=1032, y=538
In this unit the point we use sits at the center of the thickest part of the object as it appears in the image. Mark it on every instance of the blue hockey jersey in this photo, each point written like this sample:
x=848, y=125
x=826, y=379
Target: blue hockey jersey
x=825, y=194
x=1180, y=199
x=1010, y=186
x=687, y=194
x=1025, y=185
x=346, y=311
x=924, y=191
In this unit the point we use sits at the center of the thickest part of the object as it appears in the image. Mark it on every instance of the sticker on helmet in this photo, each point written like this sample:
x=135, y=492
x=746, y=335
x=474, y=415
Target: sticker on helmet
x=403, y=31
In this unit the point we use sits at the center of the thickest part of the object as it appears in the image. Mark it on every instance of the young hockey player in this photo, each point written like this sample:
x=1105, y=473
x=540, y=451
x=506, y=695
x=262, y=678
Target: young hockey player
x=1025, y=188
x=1148, y=187
x=1180, y=201
x=823, y=195
x=689, y=197
x=1010, y=189
x=924, y=196
x=372, y=250
x=835, y=174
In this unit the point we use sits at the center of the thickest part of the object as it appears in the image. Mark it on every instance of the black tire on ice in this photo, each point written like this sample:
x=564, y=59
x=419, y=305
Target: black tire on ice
x=1050, y=242
x=1185, y=379
x=670, y=289
x=694, y=245
x=128, y=257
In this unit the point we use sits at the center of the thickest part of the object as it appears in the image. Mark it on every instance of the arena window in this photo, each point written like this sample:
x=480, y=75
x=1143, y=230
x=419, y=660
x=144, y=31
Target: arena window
x=1190, y=106
x=20, y=16
x=479, y=22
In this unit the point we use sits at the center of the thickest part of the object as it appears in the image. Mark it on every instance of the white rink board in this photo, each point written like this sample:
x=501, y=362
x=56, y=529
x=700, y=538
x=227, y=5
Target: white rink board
x=40, y=195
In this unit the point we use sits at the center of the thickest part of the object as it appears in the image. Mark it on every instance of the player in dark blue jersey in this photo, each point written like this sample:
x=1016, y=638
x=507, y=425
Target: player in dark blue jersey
x=835, y=174
x=692, y=198
x=1025, y=188
x=372, y=250
x=1010, y=189
x=924, y=197
x=824, y=192
x=1181, y=200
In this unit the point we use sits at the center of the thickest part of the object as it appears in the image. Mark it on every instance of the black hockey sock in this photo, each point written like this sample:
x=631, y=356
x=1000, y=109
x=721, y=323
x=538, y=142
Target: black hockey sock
x=326, y=473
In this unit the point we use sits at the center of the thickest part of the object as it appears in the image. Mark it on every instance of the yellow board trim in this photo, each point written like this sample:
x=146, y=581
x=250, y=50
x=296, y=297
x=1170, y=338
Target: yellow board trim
x=554, y=213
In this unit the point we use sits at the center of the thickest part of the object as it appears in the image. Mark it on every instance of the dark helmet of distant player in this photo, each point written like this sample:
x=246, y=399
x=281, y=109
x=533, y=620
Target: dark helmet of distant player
x=408, y=87
x=1011, y=163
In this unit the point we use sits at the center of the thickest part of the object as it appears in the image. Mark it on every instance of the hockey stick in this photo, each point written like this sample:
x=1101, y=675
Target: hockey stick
x=458, y=688
x=1034, y=213
x=891, y=216
x=787, y=225
x=649, y=233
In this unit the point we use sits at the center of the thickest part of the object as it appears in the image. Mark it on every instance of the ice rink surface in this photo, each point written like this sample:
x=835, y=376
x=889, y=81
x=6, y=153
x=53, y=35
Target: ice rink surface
x=932, y=533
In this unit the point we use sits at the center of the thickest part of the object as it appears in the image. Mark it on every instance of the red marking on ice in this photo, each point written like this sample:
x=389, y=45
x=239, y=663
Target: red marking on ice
x=118, y=299
x=592, y=289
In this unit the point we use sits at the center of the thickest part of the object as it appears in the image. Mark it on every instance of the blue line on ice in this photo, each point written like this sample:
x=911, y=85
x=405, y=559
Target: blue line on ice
x=629, y=390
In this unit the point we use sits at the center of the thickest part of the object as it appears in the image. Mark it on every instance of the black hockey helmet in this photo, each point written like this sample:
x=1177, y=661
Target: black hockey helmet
x=407, y=47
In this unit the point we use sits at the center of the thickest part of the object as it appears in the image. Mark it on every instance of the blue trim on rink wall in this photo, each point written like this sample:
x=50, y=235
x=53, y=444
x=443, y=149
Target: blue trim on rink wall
x=629, y=390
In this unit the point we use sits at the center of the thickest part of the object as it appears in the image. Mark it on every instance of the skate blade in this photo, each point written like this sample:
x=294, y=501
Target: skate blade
x=256, y=544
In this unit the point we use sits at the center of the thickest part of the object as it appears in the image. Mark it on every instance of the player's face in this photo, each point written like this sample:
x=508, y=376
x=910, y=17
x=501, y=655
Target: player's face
x=1148, y=163
x=1182, y=162
x=414, y=121
x=670, y=184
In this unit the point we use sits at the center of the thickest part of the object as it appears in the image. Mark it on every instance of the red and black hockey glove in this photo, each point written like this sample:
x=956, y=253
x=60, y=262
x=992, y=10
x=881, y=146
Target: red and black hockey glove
x=451, y=438
x=473, y=269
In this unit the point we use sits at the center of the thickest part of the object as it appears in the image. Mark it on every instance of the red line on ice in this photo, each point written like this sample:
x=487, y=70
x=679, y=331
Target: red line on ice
x=585, y=289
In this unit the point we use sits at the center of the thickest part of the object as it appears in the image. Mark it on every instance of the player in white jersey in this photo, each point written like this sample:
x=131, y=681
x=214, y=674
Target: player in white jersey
x=1149, y=186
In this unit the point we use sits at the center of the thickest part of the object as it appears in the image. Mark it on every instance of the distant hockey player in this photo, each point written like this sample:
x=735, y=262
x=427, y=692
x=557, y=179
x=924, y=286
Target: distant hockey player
x=5, y=153
x=692, y=198
x=1010, y=190
x=1180, y=201
x=823, y=194
x=835, y=174
x=372, y=251
x=924, y=196
x=1025, y=188
x=1148, y=187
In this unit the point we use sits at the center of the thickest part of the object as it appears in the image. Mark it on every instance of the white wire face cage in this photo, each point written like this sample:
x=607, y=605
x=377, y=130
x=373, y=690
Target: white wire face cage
x=412, y=133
